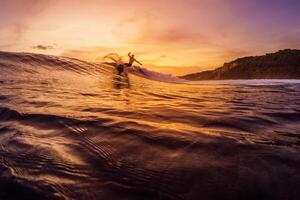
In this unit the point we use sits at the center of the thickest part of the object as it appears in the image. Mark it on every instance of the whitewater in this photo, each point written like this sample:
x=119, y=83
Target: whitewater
x=71, y=129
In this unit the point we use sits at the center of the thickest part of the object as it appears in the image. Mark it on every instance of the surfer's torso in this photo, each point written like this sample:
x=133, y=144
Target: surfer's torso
x=131, y=60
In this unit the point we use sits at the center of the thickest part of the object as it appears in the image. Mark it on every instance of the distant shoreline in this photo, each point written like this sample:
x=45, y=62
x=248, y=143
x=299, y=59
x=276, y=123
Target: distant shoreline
x=284, y=64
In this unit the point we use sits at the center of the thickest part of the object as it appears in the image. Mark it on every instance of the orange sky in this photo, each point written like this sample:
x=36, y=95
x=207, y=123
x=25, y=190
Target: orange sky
x=194, y=34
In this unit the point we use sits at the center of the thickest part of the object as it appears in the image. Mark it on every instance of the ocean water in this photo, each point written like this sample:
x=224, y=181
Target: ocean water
x=70, y=129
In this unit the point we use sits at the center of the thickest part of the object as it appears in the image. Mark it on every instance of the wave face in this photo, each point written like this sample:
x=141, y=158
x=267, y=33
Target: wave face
x=70, y=129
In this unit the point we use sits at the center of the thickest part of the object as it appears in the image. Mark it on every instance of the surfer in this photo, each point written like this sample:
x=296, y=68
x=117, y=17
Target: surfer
x=120, y=68
x=132, y=60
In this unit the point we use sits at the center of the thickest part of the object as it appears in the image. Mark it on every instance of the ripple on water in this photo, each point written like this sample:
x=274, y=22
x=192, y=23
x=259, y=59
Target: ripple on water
x=96, y=135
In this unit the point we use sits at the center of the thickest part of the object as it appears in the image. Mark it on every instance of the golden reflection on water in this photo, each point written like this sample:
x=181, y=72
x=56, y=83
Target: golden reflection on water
x=123, y=99
x=88, y=133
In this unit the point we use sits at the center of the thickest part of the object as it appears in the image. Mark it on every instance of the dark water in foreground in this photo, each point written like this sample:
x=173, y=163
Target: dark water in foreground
x=75, y=130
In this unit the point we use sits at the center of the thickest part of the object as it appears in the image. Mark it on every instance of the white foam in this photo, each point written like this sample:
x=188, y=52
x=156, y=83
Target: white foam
x=249, y=82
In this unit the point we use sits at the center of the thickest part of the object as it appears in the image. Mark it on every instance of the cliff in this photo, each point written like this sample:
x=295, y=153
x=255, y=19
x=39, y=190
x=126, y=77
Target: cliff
x=284, y=64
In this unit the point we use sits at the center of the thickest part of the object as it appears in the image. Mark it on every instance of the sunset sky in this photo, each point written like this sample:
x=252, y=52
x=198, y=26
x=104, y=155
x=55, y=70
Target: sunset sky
x=180, y=33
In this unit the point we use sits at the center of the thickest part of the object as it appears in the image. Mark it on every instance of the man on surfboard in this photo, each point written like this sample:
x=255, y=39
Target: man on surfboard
x=120, y=68
x=132, y=60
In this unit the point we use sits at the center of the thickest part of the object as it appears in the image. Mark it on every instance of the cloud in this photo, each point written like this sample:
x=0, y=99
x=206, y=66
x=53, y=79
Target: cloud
x=90, y=53
x=13, y=35
x=17, y=18
x=43, y=47
x=172, y=35
x=21, y=11
x=153, y=29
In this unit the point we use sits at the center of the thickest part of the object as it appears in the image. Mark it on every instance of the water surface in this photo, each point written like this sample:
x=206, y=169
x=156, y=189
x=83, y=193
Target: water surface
x=76, y=130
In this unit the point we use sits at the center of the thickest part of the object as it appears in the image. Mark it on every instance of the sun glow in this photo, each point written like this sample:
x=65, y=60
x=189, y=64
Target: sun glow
x=187, y=34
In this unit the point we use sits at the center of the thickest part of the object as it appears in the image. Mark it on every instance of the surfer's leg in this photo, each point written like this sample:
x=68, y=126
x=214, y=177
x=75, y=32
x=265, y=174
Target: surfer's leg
x=120, y=69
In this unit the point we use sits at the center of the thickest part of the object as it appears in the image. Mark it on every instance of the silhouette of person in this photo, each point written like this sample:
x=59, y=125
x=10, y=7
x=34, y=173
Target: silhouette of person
x=132, y=60
x=120, y=68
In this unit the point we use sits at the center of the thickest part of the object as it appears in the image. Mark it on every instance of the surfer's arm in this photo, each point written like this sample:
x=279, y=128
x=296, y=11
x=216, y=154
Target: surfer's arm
x=138, y=62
